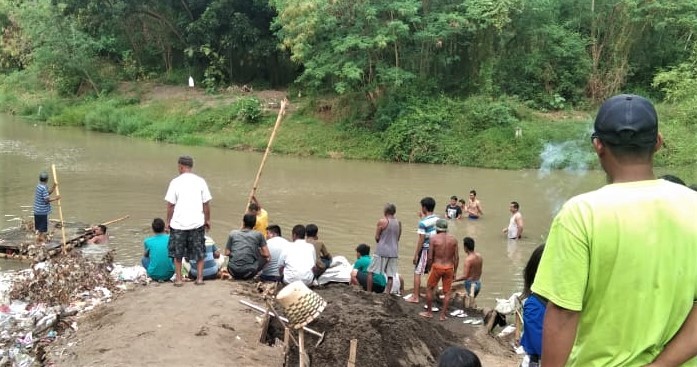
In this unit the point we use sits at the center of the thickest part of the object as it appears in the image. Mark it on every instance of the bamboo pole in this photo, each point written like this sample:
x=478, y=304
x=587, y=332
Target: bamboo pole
x=352, y=353
x=301, y=347
x=279, y=118
x=60, y=209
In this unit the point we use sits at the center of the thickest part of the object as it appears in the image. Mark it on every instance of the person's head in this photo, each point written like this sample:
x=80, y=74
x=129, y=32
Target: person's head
x=626, y=133
x=390, y=209
x=441, y=226
x=453, y=200
x=673, y=179
x=43, y=177
x=462, y=202
x=158, y=225
x=186, y=163
x=531, y=268
x=458, y=357
x=298, y=232
x=428, y=204
x=311, y=230
x=514, y=207
x=249, y=221
x=273, y=230
x=473, y=194
x=100, y=229
x=362, y=250
x=468, y=242
x=253, y=208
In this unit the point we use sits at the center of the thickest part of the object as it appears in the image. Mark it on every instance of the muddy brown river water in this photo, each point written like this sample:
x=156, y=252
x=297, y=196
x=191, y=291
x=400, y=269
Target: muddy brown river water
x=105, y=176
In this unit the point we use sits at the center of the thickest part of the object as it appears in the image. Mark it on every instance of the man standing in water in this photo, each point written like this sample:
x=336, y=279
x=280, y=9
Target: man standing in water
x=42, y=206
x=188, y=218
x=606, y=270
x=473, y=206
x=443, y=258
x=384, y=261
x=514, y=231
x=427, y=227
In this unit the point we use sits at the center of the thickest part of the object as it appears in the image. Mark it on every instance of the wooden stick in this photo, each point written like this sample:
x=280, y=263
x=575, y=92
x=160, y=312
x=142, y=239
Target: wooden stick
x=111, y=222
x=352, y=353
x=301, y=347
x=60, y=209
x=281, y=112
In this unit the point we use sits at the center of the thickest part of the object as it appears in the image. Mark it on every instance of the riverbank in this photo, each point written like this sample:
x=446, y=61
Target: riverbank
x=476, y=132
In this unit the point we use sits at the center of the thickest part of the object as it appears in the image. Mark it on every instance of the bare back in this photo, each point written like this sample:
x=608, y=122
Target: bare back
x=444, y=248
x=473, y=266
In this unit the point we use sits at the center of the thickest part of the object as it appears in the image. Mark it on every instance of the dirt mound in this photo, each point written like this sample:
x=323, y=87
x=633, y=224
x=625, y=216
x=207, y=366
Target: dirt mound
x=389, y=331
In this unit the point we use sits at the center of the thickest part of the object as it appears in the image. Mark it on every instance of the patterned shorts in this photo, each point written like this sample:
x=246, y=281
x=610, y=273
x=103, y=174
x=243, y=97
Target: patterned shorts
x=188, y=243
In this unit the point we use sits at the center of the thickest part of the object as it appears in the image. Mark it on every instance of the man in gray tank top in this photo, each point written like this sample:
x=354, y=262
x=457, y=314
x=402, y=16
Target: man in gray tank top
x=387, y=235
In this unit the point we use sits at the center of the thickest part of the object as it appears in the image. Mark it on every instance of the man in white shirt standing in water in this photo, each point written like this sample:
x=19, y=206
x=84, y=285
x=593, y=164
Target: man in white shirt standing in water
x=188, y=218
x=514, y=231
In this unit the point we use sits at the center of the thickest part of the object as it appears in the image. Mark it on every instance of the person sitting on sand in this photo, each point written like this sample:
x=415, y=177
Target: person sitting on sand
x=100, y=236
x=211, y=263
x=296, y=262
x=443, y=258
x=472, y=272
x=359, y=275
x=156, y=260
x=473, y=208
x=276, y=244
x=458, y=357
x=324, y=258
x=247, y=250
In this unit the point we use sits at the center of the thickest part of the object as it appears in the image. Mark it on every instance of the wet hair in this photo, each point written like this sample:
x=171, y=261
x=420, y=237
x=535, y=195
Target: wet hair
x=453, y=198
x=473, y=192
x=253, y=207
x=103, y=228
x=458, y=357
x=158, y=225
x=390, y=209
x=311, y=230
x=673, y=179
x=363, y=249
x=275, y=229
x=469, y=243
x=249, y=220
x=515, y=205
x=429, y=203
x=299, y=231
x=531, y=269
x=186, y=160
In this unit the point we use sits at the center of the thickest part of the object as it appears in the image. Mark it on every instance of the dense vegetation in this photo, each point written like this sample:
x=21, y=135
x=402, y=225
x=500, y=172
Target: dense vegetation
x=424, y=80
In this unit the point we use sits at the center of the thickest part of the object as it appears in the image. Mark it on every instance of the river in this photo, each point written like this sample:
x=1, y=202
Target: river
x=105, y=176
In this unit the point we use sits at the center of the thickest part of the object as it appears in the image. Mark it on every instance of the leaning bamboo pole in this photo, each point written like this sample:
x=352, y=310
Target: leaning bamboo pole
x=60, y=209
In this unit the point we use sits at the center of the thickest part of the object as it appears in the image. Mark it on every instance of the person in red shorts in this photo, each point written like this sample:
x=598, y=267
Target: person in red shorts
x=442, y=261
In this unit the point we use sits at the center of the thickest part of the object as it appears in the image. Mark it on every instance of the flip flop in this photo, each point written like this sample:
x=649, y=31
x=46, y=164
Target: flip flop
x=178, y=284
x=200, y=283
x=457, y=313
x=468, y=321
x=462, y=315
x=433, y=309
x=411, y=300
x=477, y=322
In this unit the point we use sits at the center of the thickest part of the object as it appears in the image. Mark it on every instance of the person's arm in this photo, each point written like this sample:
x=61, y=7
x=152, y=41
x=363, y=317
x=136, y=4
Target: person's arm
x=519, y=223
x=325, y=252
x=683, y=346
x=207, y=215
x=465, y=271
x=354, y=277
x=265, y=256
x=456, y=259
x=419, y=245
x=170, y=213
x=399, y=235
x=382, y=224
x=228, y=246
x=255, y=201
x=558, y=334
x=479, y=208
x=429, y=258
x=459, y=212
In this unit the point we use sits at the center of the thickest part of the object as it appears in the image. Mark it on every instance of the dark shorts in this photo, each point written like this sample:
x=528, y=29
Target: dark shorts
x=242, y=274
x=41, y=223
x=477, y=286
x=188, y=243
x=362, y=278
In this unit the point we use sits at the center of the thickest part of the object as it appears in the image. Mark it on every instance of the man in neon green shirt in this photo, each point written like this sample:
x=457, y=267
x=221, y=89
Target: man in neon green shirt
x=620, y=266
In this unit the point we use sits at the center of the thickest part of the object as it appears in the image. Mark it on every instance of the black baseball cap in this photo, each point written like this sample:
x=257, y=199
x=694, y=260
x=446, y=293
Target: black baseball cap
x=627, y=120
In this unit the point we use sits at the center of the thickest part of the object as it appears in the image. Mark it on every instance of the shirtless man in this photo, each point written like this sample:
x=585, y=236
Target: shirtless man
x=443, y=258
x=515, y=225
x=473, y=208
x=100, y=237
x=472, y=272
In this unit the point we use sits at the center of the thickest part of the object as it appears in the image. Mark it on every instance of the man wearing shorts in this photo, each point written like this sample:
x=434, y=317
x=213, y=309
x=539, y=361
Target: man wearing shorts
x=42, y=206
x=442, y=259
x=472, y=272
x=387, y=235
x=188, y=218
x=427, y=227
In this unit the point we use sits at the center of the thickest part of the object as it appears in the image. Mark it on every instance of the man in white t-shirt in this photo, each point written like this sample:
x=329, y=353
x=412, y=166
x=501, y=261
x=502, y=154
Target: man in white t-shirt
x=276, y=245
x=188, y=218
x=297, y=259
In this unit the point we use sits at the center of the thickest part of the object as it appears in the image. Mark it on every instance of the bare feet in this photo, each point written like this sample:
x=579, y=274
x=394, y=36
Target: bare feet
x=178, y=283
x=412, y=300
x=442, y=317
x=426, y=314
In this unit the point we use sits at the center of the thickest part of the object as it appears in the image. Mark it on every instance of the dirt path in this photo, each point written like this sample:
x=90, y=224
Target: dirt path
x=160, y=325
